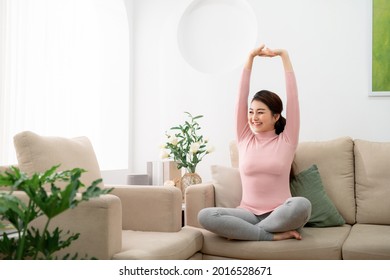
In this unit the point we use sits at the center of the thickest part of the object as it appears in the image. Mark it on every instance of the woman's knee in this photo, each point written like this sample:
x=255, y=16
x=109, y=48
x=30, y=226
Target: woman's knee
x=301, y=205
x=206, y=214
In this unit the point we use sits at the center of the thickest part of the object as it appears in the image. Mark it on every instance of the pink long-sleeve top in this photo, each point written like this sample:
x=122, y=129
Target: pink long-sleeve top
x=265, y=158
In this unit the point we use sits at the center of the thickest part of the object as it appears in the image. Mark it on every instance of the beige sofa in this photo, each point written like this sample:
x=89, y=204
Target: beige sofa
x=355, y=175
x=144, y=222
x=132, y=222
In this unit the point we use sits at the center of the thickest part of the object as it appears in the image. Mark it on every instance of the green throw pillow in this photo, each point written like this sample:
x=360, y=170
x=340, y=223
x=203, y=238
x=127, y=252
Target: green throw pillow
x=308, y=184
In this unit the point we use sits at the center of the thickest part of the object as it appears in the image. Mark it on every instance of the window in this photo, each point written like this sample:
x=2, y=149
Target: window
x=65, y=72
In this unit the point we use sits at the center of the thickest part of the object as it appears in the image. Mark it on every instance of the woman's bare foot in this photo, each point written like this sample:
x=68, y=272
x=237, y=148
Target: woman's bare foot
x=287, y=235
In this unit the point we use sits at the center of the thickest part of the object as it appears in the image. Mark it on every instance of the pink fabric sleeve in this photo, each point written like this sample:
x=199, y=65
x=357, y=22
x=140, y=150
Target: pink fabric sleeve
x=291, y=130
x=242, y=104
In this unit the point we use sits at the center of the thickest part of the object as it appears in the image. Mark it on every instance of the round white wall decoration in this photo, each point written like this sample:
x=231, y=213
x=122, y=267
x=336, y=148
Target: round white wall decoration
x=216, y=35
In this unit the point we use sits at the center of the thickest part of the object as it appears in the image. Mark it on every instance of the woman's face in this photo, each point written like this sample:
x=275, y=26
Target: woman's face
x=261, y=118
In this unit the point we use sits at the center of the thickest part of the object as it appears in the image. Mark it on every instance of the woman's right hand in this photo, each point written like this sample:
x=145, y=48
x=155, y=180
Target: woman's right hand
x=260, y=51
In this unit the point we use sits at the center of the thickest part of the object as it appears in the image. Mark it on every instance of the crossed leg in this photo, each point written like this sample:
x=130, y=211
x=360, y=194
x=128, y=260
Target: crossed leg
x=236, y=223
x=287, y=219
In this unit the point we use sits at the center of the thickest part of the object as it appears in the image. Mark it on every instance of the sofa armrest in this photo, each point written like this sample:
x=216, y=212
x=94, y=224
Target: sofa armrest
x=198, y=197
x=149, y=208
x=98, y=221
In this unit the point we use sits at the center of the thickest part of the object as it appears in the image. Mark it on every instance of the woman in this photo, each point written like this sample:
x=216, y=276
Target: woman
x=266, y=143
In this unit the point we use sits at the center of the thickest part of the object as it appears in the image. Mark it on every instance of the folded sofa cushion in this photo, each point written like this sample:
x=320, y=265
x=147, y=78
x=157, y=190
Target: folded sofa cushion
x=308, y=184
x=36, y=153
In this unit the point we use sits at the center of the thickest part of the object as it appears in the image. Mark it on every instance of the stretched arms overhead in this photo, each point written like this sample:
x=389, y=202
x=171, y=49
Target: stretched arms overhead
x=292, y=108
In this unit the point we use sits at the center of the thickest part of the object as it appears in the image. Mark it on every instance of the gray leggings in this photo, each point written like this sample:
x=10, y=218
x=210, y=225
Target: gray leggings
x=241, y=224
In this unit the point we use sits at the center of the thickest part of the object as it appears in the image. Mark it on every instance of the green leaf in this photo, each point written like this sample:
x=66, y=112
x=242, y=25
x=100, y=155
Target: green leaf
x=49, y=175
x=94, y=191
x=8, y=247
x=197, y=117
x=11, y=207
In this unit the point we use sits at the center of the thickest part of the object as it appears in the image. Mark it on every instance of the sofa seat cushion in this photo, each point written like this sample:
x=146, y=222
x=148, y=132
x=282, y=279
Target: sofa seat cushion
x=147, y=245
x=366, y=242
x=316, y=243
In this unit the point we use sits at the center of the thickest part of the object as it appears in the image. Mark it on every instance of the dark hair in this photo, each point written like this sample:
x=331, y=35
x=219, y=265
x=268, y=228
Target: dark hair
x=275, y=104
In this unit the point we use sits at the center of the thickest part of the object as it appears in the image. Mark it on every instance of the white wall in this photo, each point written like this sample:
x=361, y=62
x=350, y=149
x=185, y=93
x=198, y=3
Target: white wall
x=328, y=41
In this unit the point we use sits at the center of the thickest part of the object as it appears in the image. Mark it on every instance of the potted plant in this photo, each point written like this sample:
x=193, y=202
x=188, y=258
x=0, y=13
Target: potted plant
x=28, y=242
x=187, y=148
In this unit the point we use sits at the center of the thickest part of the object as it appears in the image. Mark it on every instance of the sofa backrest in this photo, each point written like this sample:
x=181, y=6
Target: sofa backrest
x=335, y=162
x=372, y=167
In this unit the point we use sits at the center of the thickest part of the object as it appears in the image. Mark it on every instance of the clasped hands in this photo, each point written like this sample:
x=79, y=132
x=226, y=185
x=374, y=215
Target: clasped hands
x=266, y=52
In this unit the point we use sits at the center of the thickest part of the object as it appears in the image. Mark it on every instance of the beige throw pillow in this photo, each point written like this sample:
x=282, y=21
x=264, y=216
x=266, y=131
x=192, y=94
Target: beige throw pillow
x=37, y=153
x=227, y=185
